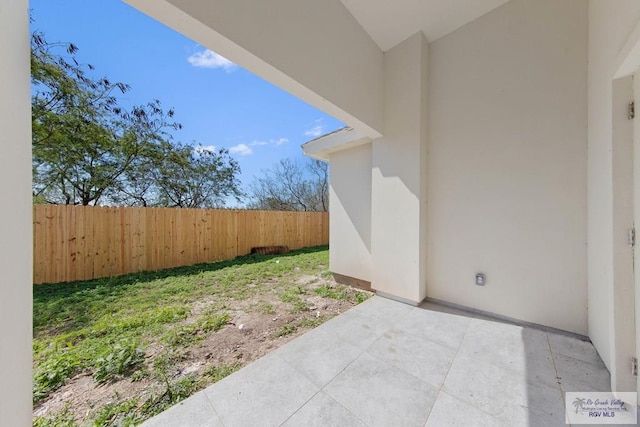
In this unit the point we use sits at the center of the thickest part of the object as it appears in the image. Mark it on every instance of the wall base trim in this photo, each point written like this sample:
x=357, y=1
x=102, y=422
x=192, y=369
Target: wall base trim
x=352, y=281
x=474, y=311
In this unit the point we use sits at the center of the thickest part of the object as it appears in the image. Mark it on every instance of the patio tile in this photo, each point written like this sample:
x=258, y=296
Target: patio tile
x=417, y=356
x=449, y=411
x=323, y=411
x=356, y=328
x=319, y=355
x=382, y=395
x=574, y=347
x=577, y=375
x=500, y=392
x=196, y=411
x=442, y=328
x=523, y=350
x=265, y=393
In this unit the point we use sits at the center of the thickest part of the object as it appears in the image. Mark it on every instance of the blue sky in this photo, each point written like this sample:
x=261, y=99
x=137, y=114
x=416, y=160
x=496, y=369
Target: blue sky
x=218, y=103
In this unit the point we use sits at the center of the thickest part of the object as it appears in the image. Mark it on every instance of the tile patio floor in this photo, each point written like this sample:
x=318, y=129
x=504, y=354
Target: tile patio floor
x=384, y=363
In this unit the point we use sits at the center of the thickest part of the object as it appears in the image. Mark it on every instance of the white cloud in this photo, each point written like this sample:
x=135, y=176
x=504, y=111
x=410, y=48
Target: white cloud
x=202, y=148
x=241, y=149
x=210, y=59
x=315, y=131
x=278, y=141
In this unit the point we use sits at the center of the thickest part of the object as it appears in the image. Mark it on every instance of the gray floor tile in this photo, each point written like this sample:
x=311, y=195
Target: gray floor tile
x=357, y=329
x=523, y=350
x=196, y=411
x=574, y=347
x=382, y=395
x=264, y=393
x=417, y=356
x=498, y=391
x=577, y=375
x=545, y=406
x=320, y=356
x=323, y=411
x=441, y=328
x=449, y=411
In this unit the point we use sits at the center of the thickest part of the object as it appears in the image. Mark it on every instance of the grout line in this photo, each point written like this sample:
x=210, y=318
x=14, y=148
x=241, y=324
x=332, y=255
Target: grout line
x=213, y=407
x=558, y=378
x=444, y=380
x=300, y=407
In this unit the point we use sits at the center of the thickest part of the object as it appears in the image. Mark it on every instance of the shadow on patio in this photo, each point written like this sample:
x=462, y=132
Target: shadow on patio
x=384, y=363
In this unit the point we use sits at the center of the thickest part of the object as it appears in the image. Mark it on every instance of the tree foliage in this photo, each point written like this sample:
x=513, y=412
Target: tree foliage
x=292, y=186
x=88, y=149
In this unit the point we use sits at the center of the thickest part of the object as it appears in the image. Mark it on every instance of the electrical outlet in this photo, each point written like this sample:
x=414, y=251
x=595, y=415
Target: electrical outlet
x=480, y=279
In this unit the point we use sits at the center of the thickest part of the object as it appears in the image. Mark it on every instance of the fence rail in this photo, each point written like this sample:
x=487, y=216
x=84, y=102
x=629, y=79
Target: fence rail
x=87, y=242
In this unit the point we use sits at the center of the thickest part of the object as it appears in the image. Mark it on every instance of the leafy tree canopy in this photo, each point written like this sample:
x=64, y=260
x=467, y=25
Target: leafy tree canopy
x=89, y=150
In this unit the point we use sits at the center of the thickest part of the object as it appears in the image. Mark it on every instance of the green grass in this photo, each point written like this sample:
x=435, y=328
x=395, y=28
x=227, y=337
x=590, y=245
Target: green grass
x=102, y=327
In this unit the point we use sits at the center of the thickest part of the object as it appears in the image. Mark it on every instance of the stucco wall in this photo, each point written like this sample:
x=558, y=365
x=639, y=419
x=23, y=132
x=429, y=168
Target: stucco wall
x=350, y=220
x=610, y=24
x=398, y=231
x=507, y=176
x=15, y=216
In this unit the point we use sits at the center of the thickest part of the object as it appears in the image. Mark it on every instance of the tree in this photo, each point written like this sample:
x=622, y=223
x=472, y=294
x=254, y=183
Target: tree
x=291, y=186
x=89, y=150
x=191, y=177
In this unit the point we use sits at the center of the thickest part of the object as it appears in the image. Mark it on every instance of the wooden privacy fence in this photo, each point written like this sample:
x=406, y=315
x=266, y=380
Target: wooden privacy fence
x=87, y=242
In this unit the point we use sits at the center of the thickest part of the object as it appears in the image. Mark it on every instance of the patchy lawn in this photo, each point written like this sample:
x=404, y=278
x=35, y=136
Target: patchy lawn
x=117, y=351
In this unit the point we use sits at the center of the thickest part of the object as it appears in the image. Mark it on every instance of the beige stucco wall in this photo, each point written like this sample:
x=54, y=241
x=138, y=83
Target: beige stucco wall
x=350, y=219
x=507, y=177
x=398, y=186
x=610, y=25
x=15, y=216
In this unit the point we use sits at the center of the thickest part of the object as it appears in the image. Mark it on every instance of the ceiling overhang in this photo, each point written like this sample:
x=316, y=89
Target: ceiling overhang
x=391, y=22
x=321, y=148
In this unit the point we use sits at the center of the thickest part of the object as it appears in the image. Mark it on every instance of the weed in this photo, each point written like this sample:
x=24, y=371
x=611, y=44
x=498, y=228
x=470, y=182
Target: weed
x=286, y=330
x=54, y=373
x=298, y=306
x=124, y=358
x=61, y=419
x=174, y=392
x=266, y=308
x=216, y=373
x=292, y=294
x=361, y=297
x=328, y=291
x=188, y=334
x=311, y=323
x=117, y=414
